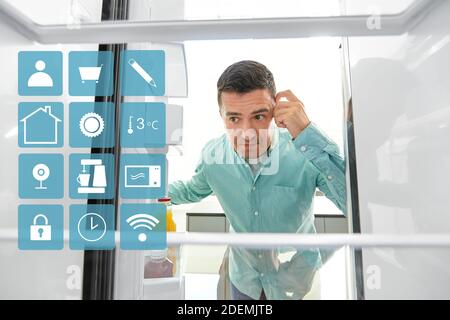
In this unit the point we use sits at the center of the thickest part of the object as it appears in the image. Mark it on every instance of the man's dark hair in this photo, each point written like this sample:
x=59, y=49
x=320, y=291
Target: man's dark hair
x=243, y=77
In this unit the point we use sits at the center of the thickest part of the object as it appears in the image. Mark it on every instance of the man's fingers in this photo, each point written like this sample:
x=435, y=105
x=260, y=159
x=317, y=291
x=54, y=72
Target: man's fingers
x=287, y=109
x=283, y=118
x=285, y=104
x=280, y=124
x=286, y=94
x=288, y=104
x=279, y=116
x=280, y=111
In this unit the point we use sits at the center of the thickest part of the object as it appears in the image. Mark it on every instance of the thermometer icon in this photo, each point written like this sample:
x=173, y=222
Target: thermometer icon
x=130, y=125
x=144, y=74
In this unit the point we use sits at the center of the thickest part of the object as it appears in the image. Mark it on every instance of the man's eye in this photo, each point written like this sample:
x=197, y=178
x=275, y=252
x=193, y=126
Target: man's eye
x=234, y=119
x=259, y=117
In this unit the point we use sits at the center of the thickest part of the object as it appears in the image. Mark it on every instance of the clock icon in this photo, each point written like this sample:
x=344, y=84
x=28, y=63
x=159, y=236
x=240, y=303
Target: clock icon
x=91, y=227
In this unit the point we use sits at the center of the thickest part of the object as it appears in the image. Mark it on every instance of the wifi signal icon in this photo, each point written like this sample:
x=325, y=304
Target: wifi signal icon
x=142, y=220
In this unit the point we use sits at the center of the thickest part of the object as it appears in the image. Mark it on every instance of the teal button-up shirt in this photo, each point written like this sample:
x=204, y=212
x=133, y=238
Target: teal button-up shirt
x=278, y=198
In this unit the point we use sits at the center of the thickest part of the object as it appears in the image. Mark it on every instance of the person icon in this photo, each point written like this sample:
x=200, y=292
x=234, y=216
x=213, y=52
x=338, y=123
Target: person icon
x=40, y=78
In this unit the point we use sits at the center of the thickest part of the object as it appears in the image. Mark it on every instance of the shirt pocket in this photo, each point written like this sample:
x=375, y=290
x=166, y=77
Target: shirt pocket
x=286, y=209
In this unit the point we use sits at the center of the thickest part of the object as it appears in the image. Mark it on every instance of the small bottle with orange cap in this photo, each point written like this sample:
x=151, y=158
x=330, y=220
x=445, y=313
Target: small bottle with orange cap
x=171, y=227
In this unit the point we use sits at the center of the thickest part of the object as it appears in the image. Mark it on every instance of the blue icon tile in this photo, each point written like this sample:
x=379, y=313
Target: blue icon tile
x=142, y=176
x=41, y=176
x=41, y=124
x=143, y=73
x=40, y=73
x=91, y=124
x=143, y=227
x=91, y=176
x=91, y=227
x=91, y=73
x=143, y=125
x=41, y=227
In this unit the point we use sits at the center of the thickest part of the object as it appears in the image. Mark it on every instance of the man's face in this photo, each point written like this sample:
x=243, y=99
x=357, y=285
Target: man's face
x=247, y=118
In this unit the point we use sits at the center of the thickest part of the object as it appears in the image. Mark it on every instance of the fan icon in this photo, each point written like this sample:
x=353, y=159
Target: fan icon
x=91, y=124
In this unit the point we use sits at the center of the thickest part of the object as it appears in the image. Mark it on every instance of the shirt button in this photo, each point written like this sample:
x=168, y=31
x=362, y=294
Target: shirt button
x=256, y=213
x=260, y=256
x=302, y=148
x=254, y=188
x=330, y=177
x=262, y=274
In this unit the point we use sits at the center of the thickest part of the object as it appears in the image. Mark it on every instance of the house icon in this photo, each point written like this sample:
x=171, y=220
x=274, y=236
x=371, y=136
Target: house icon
x=40, y=127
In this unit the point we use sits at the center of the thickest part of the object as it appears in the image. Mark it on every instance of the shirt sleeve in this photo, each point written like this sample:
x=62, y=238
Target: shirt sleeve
x=324, y=155
x=192, y=190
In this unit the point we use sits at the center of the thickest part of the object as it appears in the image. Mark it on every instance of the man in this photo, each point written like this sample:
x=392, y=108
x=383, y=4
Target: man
x=265, y=179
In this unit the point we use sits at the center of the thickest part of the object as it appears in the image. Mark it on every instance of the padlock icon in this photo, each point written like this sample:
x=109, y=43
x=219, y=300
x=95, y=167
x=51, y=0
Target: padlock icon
x=40, y=232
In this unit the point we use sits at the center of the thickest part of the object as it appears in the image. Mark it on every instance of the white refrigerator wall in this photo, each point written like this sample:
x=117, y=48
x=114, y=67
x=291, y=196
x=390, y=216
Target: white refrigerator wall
x=28, y=274
x=59, y=274
x=401, y=108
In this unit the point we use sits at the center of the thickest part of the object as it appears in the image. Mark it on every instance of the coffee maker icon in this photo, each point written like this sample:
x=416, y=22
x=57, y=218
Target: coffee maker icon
x=98, y=182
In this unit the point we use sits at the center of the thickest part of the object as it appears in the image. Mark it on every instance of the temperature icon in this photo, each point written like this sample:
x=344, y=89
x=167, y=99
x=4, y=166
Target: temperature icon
x=140, y=124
